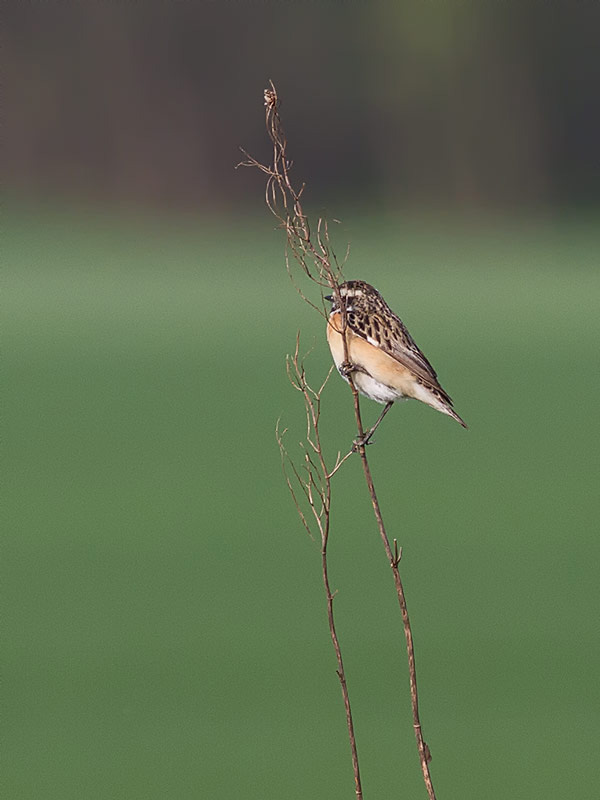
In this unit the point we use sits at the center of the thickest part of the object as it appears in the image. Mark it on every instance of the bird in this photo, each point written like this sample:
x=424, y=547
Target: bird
x=382, y=357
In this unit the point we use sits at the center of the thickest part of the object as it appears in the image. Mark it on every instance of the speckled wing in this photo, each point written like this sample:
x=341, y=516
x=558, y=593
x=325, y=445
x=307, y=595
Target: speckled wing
x=390, y=334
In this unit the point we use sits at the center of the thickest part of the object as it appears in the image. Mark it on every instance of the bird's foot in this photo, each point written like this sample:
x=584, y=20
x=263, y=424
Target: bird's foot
x=362, y=441
x=346, y=369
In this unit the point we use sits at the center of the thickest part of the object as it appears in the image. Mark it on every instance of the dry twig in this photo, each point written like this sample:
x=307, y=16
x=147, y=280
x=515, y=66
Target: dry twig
x=314, y=481
x=311, y=250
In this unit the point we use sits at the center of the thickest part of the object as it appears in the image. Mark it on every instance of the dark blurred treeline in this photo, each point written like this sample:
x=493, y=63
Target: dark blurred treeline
x=488, y=104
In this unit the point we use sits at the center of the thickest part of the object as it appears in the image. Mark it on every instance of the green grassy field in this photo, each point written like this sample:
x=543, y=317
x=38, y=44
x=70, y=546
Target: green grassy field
x=165, y=622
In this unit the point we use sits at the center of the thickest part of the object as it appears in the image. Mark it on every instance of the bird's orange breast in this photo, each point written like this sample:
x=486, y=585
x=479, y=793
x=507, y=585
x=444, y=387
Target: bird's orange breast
x=372, y=359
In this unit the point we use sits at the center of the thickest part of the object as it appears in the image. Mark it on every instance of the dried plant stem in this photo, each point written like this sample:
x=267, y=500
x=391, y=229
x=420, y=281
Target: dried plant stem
x=340, y=673
x=313, y=253
x=315, y=483
x=394, y=559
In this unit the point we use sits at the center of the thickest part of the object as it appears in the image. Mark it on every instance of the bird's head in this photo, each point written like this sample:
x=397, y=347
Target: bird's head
x=355, y=294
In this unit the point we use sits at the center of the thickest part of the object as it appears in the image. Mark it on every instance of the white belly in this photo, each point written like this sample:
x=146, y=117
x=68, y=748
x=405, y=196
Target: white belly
x=375, y=390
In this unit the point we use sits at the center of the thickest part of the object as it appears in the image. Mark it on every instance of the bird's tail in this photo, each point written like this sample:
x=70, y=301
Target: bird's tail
x=452, y=413
x=437, y=398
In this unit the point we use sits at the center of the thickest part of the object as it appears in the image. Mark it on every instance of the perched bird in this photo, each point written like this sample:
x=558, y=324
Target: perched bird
x=385, y=363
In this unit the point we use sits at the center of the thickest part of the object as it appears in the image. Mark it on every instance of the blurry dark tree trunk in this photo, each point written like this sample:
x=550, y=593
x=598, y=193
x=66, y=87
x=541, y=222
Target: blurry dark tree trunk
x=444, y=104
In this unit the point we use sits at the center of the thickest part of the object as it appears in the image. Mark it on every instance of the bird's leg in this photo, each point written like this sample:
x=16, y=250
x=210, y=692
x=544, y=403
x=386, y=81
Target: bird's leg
x=365, y=439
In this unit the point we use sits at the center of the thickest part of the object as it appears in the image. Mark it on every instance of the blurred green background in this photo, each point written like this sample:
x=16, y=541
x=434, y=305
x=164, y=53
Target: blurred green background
x=165, y=628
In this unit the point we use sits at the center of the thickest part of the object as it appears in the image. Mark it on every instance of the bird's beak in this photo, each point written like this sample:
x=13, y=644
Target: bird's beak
x=329, y=297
